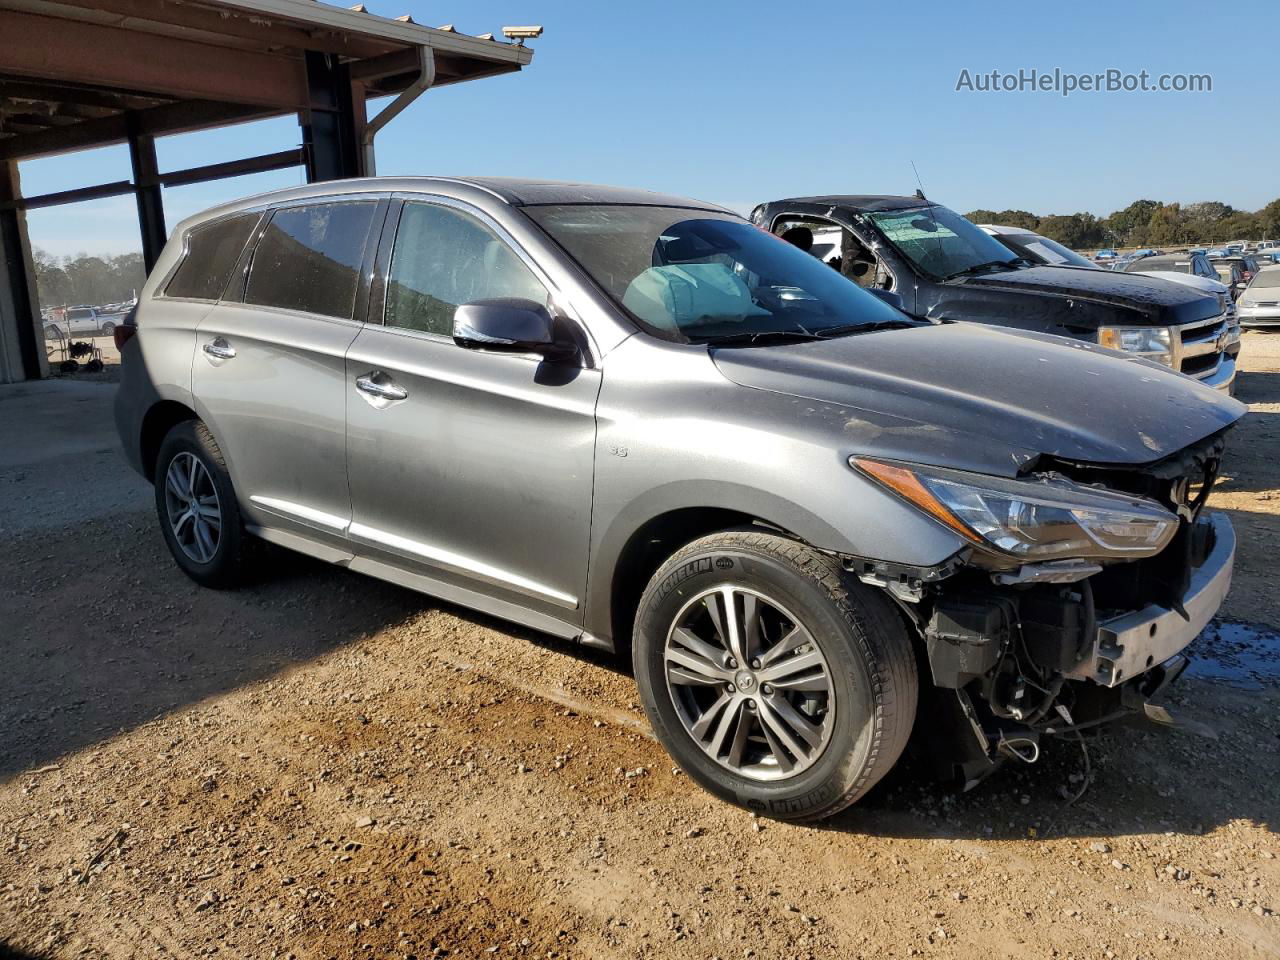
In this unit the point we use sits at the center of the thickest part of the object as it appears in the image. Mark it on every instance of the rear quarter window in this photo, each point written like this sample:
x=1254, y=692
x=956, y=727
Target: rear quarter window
x=212, y=252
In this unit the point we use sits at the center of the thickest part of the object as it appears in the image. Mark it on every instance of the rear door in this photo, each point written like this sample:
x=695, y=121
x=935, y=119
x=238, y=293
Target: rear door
x=471, y=467
x=269, y=376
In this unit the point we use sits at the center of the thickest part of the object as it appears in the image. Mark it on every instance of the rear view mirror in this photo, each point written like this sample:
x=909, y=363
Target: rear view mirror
x=888, y=296
x=504, y=324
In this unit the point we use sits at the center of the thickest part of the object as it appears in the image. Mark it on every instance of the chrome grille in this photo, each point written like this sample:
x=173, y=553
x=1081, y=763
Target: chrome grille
x=1198, y=349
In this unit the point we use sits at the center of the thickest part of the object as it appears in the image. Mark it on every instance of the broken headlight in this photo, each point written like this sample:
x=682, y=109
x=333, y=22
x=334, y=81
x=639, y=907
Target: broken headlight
x=1154, y=343
x=1026, y=519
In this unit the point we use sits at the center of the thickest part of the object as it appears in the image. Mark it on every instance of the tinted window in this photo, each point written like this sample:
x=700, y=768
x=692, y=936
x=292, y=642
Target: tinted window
x=309, y=258
x=212, y=251
x=444, y=258
x=79, y=314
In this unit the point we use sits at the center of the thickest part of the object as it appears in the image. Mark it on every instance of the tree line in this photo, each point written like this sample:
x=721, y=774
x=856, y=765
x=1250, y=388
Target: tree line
x=87, y=280
x=1147, y=223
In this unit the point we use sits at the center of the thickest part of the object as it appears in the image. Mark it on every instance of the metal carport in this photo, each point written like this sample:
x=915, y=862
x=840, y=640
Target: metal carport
x=77, y=74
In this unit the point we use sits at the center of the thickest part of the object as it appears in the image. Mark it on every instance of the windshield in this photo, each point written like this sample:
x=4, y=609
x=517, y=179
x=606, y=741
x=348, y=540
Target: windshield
x=699, y=276
x=941, y=243
x=1040, y=249
x=1266, y=278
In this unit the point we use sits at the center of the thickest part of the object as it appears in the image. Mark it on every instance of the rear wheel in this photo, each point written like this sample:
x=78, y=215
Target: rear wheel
x=775, y=680
x=197, y=507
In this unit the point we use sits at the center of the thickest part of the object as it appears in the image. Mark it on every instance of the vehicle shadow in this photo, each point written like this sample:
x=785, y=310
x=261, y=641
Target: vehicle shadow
x=13, y=953
x=103, y=633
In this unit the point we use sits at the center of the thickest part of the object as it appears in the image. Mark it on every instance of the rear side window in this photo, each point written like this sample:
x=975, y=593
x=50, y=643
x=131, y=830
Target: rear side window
x=309, y=258
x=212, y=252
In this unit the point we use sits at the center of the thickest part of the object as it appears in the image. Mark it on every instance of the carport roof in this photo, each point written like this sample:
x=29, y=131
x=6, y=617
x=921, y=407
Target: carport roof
x=84, y=73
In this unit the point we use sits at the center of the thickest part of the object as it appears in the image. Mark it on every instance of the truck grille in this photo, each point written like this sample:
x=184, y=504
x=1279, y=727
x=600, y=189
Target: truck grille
x=1198, y=350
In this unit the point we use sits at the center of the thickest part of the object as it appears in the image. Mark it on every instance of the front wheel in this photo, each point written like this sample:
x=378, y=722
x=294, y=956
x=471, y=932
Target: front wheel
x=107, y=329
x=197, y=507
x=775, y=680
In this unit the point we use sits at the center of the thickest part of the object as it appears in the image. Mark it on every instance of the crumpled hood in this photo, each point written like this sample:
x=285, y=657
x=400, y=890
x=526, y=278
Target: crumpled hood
x=984, y=398
x=1162, y=300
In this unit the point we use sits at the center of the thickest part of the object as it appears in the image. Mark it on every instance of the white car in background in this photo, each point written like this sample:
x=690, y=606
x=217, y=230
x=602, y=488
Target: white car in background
x=1259, y=304
x=1038, y=249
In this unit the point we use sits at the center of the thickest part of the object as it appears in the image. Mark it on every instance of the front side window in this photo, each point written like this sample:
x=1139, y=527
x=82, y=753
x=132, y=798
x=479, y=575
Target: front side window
x=941, y=243
x=701, y=276
x=309, y=258
x=444, y=258
x=212, y=252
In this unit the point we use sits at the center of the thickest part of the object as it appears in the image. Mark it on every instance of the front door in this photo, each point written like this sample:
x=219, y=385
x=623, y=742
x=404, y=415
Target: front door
x=468, y=466
x=269, y=372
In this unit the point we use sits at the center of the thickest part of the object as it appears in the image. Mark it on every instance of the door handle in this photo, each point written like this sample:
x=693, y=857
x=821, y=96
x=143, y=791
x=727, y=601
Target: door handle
x=383, y=391
x=219, y=349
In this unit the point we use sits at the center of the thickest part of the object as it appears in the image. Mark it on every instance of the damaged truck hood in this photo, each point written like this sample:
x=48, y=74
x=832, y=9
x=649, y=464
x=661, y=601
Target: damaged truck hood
x=1159, y=301
x=983, y=398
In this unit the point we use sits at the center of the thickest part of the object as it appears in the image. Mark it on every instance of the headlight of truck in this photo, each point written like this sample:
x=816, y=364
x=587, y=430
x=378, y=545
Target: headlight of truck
x=1029, y=520
x=1154, y=343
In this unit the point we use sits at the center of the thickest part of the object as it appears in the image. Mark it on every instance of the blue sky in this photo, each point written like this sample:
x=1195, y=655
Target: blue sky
x=739, y=102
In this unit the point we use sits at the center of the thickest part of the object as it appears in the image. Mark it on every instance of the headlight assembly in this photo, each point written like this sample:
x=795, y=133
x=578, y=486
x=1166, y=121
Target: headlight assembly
x=1154, y=343
x=1027, y=520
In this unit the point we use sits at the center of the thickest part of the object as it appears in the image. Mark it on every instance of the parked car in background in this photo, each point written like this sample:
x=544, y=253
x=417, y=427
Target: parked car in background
x=941, y=266
x=1188, y=264
x=1230, y=273
x=83, y=322
x=637, y=421
x=1034, y=248
x=1107, y=254
x=1259, y=303
x=1248, y=265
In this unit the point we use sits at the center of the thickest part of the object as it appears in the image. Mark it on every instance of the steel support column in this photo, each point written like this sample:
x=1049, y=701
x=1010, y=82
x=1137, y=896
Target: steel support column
x=332, y=121
x=22, y=355
x=146, y=190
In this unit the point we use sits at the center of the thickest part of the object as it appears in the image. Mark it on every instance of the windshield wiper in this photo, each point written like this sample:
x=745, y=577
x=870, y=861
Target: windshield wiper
x=1010, y=264
x=850, y=328
x=751, y=339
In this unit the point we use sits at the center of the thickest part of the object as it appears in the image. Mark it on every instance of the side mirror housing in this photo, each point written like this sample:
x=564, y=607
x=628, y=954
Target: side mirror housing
x=890, y=297
x=507, y=323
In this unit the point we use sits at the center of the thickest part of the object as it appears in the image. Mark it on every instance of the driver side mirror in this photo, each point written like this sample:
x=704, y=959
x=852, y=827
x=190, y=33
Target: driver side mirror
x=508, y=324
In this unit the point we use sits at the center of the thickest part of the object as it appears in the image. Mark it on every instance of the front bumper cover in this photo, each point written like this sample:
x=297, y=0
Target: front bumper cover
x=1132, y=643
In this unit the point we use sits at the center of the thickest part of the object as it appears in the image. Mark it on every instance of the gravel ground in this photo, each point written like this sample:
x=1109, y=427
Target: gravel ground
x=322, y=765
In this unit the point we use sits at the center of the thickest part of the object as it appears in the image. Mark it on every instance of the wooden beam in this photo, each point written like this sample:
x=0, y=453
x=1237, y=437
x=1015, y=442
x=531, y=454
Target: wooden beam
x=171, y=118
x=69, y=93
x=91, y=53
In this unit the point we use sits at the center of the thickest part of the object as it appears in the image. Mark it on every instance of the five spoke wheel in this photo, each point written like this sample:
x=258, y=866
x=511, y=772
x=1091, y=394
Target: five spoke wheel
x=191, y=501
x=749, y=683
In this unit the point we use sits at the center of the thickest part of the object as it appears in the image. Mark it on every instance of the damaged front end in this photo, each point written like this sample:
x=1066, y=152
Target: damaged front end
x=1072, y=606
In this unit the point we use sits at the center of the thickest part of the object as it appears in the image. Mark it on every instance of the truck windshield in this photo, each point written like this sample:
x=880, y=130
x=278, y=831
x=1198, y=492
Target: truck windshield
x=702, y=276
x=941, y=243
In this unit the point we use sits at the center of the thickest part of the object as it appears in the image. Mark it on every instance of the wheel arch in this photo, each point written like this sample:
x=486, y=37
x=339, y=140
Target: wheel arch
x=643, y=535
x=162, y=417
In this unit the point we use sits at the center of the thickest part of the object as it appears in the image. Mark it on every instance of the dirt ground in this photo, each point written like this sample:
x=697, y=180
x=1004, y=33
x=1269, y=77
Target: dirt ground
x=322, y=765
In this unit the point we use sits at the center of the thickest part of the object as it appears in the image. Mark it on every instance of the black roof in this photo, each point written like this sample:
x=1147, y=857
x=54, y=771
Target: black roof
x=863, y=203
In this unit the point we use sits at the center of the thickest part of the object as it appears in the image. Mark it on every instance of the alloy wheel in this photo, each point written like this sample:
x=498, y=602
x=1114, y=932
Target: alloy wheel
x=749, y=683
x=194, y=513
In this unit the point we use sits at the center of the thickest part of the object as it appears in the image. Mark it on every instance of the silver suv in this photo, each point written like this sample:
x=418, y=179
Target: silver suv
x=639, y=422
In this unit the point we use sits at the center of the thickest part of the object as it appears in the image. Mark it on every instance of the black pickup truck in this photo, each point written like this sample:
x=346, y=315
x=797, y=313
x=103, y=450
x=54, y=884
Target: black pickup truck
x=941, y=266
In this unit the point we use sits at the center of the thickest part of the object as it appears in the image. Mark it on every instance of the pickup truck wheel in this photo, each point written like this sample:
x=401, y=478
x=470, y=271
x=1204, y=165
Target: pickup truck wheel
x=773, y=678
x=197, y=507
x=107, y=329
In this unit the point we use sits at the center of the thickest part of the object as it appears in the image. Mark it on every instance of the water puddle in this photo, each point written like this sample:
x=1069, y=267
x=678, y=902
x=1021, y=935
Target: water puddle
x=1238, y=653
